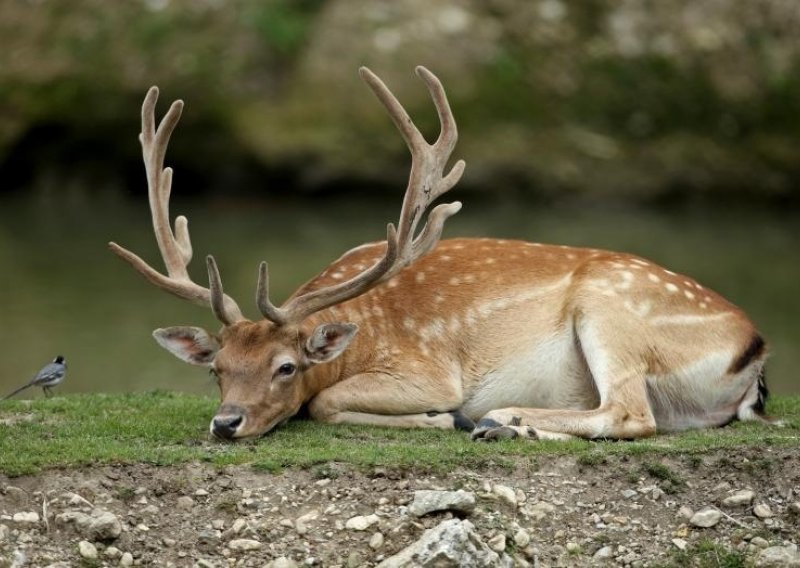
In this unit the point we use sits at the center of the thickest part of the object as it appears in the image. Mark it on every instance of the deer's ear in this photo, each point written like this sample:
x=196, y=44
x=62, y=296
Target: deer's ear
x=329, y=341
x=191, y=344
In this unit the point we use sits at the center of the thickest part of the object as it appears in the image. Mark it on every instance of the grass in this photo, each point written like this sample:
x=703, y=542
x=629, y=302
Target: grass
x=166, y=428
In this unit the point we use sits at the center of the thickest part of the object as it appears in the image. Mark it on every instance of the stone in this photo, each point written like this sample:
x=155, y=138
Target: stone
x=282, y=562
x=759, y=542
x=240, y=544
x=104, y=525
x=540, y=510
x=26, y=518
x=302, y=522
x=184, y=503
x=522, y=538
x=361, y=523
x=506, y=494
x=87, y=550
x=426, y=501
x=629, y=494
x=679, y=543
x=705, y=518
x=573, y=547
x=762, y=511
x=498, y=542
x=741, y=498
x=778, y=557
x=604, y=554
x=451, y=543
x=686, y=512
x=126, y=559
x=112, y=552
x=376, y=541
x=5, y=533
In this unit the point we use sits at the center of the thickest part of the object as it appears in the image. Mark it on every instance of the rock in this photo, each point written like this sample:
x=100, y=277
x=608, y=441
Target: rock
x=100, y=525
x=741, y=498
x=104, y=525
x=87, y=550
x=759, y=542
x=5, y=532
x=705, y=518
x=522, y=538
x=244, y=544
x=16, y=496
x=604, y=554
x=778, y=557
x=126, y=560
x=184, y=503
x=498, y=542
x=506, y=494
x=679, y=543
x=282, y=562
x=629, y=493
x=376, y=541
x=540, y=510
x=573, y=547
x=112, y=552
x=686, y=512
x=361, y=523
x=762, y=511
x=26, y=518
x=451, y=543
x=302, y=522
x=795, y=508
x=426, y=501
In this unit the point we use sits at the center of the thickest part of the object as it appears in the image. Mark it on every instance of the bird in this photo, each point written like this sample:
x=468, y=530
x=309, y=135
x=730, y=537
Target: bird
x=49, y=376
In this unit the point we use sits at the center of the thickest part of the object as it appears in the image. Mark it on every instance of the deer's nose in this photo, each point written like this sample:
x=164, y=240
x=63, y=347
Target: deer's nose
x=226, y=425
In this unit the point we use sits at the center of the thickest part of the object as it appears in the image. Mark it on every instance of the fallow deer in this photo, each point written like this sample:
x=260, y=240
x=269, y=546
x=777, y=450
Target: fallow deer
x=522, y=339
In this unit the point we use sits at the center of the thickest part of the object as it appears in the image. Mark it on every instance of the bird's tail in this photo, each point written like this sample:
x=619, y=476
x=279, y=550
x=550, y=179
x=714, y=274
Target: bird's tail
x=19, y=390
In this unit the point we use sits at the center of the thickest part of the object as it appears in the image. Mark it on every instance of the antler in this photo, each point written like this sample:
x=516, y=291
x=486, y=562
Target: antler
x=176, y=248
x=426, y=183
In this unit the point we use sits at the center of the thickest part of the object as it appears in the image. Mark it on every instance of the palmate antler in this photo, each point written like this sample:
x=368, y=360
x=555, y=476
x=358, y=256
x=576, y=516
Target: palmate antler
x=404, y=245
x=426, y=183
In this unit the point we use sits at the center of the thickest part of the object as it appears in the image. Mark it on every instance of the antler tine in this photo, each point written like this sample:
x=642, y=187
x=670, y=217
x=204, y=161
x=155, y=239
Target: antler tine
x=175, y=247
x=426, y=183
x=219, y=300
x=265, y=306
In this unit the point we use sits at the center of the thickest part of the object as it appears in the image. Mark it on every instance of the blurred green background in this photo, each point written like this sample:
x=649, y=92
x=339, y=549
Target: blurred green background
x=667, y=128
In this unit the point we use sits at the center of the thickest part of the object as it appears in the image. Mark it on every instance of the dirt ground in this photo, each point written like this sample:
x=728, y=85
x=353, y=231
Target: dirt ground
x=563, y=511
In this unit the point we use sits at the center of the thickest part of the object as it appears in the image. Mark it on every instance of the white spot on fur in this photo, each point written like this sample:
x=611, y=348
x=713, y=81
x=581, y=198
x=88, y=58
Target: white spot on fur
x=669, y=272
x=438, y=298
x=377, y=311
x=469, y=278
x=445, y=257
x=455, y=281
x=653, y=278
x=337, y=275
x=641, y=309
x=454, y=325
x=434, y=330
x=671, y=288
x=420, y=277
x=393, y=282
x=490, y=261
x=688, y=294
x=640, y=262
x=687, y=319
x=703, y=305
x=571, y=256
x=409, y=324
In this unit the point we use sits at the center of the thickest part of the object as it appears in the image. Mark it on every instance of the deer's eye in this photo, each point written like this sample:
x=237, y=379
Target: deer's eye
x=286, y=370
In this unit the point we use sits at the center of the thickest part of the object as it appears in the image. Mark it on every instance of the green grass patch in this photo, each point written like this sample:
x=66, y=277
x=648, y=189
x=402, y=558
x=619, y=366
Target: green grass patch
x=166, y=428
x=706, y=554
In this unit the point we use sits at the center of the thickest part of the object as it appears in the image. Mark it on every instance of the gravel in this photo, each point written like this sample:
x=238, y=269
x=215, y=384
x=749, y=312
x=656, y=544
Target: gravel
x=561, y=513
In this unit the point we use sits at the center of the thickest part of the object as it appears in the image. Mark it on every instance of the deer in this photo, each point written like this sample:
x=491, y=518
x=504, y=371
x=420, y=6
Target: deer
x=498, y=337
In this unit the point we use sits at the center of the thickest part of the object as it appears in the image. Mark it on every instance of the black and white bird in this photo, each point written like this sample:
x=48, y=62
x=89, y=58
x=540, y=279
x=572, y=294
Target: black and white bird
x=51, y=375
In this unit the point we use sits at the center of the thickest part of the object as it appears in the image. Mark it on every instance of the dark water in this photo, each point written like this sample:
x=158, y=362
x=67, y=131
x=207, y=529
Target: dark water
x=62, y=292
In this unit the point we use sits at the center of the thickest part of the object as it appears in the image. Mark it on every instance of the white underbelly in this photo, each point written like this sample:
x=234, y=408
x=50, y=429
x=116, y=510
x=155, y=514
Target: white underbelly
x=550, y=375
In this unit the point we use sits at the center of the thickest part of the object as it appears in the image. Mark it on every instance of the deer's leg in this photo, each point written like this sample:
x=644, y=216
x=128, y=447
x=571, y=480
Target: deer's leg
x=382, y=400
x=624, y=411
